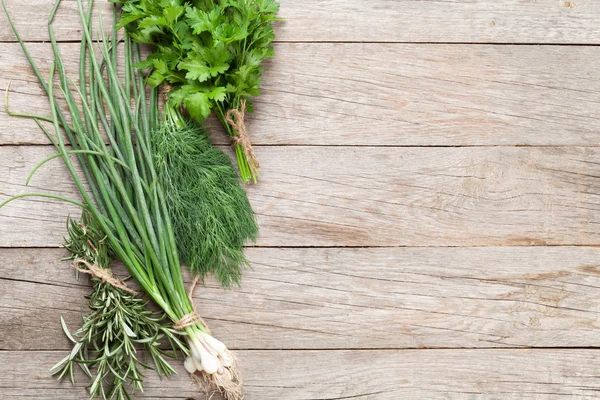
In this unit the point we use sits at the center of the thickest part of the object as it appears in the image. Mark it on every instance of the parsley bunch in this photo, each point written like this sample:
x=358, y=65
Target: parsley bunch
x=209, y=53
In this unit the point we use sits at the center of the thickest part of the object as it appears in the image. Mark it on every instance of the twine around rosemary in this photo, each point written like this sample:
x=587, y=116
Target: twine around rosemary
x=192, y=318
x=104, y=274
x=235, y=118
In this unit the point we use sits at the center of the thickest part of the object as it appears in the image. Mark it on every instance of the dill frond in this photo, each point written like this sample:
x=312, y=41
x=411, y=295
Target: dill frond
x=212, y=217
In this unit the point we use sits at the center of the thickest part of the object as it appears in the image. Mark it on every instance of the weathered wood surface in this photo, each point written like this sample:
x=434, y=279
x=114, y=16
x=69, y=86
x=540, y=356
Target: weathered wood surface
x=380, y=321
x=348, y=298
x=484, y=21
x=369, y=196
x=385, y=94
x=335, y=375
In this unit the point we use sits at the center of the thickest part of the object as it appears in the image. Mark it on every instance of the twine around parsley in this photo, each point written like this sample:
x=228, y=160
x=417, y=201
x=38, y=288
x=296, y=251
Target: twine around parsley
x=235, y=118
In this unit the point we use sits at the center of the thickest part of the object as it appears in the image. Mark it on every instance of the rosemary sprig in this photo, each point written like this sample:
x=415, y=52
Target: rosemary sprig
x=107, y=345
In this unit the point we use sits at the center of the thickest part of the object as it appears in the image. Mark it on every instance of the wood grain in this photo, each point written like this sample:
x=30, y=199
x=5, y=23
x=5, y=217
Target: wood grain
x=361, y=287
x=484, y=21
x=363, y=196
x=335, y=375
x=385, y=94
x=347, y=299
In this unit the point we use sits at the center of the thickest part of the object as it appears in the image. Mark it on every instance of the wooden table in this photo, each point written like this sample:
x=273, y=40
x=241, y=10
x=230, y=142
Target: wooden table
x=429, y=205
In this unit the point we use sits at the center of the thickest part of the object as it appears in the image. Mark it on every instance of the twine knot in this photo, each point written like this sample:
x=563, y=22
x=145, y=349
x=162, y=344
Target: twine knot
x=192, y=318
x=187, y=320
x=235, y=118
x=104, y=274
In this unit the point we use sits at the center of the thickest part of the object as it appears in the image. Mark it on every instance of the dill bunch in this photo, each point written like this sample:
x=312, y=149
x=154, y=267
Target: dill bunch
x=212, y=217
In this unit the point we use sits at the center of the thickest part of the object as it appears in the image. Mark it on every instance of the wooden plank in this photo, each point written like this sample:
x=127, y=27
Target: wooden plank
x=348, y=298
x=363, y=196
x=509, y=21
x=31, y=19
x=386, y=94
x=335, y=375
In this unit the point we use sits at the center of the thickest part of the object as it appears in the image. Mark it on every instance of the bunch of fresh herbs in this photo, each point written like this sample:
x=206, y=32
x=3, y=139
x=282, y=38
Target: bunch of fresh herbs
x=209, y=52
x=108, y=124
x=211, y=215
x=119, y=324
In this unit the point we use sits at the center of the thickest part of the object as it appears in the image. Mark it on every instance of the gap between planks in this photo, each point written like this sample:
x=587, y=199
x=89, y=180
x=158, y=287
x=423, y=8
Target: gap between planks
x=366, y=146
x=357, y=349
x=425, y=43
x=366, y=247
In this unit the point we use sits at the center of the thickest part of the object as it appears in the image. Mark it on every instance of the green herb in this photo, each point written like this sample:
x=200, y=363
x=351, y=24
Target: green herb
x=119, y=323
x=212, y=217
x=210, y=53
x=119, y=185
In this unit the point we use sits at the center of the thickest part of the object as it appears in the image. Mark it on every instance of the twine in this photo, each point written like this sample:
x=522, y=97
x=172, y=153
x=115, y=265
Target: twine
x=192, y=318
x=188, y=320
x=235, y=118
x=104, y=274
x=165, y=92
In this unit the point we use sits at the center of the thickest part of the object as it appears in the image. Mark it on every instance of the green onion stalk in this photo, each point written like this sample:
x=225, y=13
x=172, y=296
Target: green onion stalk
x=118, y=184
